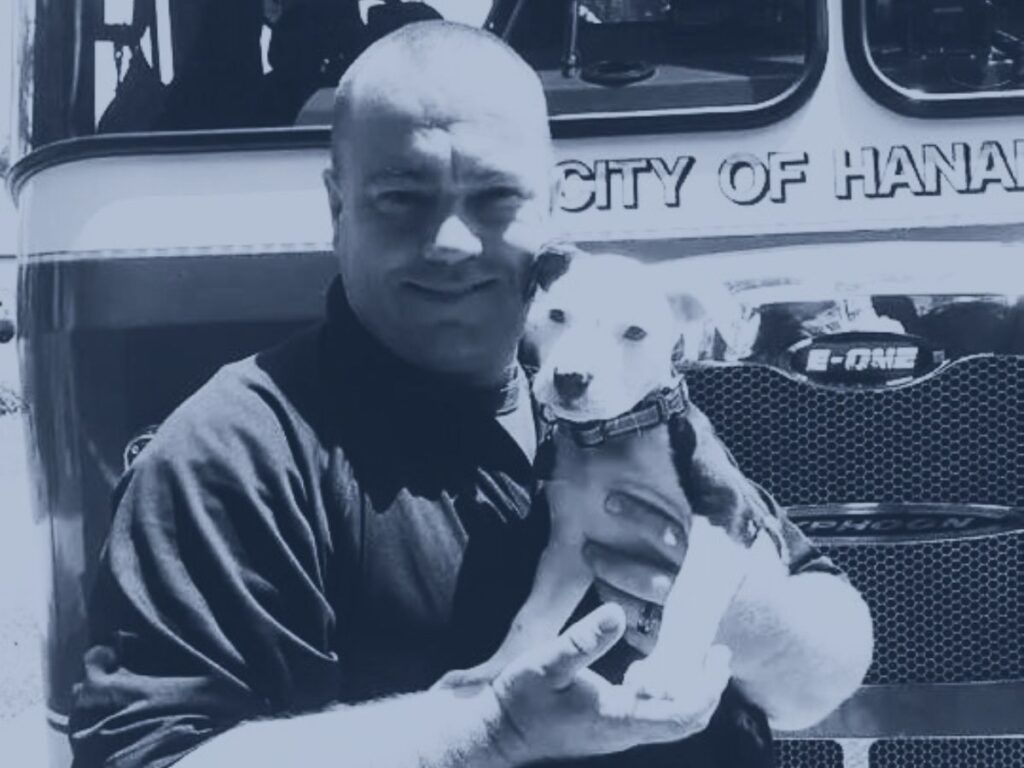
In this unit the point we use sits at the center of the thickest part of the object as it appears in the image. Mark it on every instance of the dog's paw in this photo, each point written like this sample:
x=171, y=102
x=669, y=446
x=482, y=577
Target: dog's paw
x=657, y=677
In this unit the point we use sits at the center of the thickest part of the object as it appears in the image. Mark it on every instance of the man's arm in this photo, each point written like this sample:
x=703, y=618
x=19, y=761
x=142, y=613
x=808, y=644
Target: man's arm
x=430, y=729
x=209, y=606
x=546, y=705
x=212, y=638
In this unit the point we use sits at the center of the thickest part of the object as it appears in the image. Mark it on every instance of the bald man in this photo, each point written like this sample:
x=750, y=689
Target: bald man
x=322, y=531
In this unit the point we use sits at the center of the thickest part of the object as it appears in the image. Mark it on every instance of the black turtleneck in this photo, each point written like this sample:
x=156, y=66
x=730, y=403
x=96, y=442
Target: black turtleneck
x=320, y=523
x=365, y=362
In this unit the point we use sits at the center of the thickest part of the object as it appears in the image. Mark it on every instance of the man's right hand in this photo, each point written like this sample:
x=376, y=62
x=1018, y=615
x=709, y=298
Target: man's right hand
x=553, y=707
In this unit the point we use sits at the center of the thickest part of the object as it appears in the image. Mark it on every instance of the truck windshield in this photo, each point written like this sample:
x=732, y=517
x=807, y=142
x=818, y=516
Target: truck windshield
x=943, y=50
x=127, y=66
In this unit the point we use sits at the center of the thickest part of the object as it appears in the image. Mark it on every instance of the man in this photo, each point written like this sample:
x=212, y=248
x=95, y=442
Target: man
x=322, y=531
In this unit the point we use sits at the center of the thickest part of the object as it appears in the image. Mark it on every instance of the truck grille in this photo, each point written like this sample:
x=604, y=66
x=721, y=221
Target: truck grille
x=811, y=753
x=947, y=753
x=945, y=611
x=954, y=438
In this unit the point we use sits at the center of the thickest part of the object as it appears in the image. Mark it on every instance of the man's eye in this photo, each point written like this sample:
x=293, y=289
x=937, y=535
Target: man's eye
x=498, y=195
x=499, y=202
x=635, y=333
x=401, y=200
x=557, y=316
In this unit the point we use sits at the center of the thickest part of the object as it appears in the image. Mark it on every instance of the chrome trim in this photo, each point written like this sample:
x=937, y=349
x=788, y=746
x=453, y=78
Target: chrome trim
x=867, y=339
x=993, y=520
x=856, y=752
x=936, y=711
x=801, y=379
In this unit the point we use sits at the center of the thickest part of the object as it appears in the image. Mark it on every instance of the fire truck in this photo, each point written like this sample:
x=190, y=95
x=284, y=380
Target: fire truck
x=843, y=178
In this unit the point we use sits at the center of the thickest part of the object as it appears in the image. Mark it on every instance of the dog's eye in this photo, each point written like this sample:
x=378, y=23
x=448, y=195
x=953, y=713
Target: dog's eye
x=635, y=333
x=557, y=316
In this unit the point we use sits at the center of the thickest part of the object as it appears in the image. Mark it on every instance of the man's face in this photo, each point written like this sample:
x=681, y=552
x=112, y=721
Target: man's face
x=438, y=212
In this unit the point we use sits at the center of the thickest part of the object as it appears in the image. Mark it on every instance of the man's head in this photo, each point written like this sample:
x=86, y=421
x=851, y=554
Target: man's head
x=440, y=193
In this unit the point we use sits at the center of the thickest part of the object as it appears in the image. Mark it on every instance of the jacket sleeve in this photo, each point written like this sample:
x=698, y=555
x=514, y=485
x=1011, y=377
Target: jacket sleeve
x=211, y=603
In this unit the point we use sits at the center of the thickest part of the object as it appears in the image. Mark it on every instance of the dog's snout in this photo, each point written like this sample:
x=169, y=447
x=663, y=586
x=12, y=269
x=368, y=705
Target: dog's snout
x=571, y=386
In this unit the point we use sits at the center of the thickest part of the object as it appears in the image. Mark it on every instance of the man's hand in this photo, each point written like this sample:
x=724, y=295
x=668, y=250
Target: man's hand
x=554, y=707
x=645, y=534
x=637, y=561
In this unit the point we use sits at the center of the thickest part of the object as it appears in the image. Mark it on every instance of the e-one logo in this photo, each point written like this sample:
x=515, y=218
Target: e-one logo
x=883, y=358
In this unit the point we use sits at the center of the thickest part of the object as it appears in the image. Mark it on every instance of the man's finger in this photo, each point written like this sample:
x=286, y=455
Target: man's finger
x=582, y=644
x=669, y=721
x=639, y=502
x=690, y=711
x=645, y=581
x=640, y=526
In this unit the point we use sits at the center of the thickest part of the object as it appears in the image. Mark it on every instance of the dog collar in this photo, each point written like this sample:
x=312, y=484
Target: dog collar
x=657, y=408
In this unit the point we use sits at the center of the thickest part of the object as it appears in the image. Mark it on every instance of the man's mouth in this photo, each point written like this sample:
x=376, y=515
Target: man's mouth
x=441, y=291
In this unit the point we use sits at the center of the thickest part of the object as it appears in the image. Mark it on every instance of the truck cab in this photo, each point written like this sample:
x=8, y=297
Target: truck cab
x=839, y=182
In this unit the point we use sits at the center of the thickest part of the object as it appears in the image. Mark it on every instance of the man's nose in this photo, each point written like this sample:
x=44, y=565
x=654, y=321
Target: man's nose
x=454, y=242
x=571, y=386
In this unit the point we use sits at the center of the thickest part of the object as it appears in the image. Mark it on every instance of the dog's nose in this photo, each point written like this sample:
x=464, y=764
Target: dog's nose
x=570, y=386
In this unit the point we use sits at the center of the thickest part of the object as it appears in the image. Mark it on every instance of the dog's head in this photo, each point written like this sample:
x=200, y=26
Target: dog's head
x=602, y=332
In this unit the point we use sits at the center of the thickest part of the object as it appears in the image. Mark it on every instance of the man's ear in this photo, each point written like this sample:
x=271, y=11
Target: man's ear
x=333, y=194
x=557, y=178
x=549, y=265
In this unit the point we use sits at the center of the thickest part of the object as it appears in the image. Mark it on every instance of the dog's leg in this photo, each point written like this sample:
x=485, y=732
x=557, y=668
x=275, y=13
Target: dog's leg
x=711, y=574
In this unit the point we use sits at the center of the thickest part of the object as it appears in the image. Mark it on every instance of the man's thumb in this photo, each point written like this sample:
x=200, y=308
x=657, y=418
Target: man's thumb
x=582, y=644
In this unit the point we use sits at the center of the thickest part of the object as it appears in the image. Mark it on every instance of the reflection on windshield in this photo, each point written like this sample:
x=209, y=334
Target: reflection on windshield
x=948, y=46
x=114, y=66
x=641, y=56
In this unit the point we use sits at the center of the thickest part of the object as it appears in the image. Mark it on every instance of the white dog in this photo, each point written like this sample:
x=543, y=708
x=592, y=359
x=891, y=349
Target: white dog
x=604, y=333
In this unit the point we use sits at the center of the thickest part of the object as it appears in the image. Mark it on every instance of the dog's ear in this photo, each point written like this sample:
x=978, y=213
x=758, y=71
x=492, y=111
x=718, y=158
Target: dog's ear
x=549, y=265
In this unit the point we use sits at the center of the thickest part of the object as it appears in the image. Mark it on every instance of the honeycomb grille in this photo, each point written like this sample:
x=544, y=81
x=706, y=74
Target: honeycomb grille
x=934, y=628
x=809, y=753
x=948, y=753
x=954, y=438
